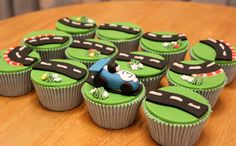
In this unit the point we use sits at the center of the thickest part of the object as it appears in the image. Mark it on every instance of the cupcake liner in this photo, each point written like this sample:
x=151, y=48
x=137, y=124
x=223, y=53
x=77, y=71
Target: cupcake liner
x=168, y=134
x=211, y=95
x=170, y=58
x=229, y=69
x=114, y=116
x=15, y=84
x=152, y=82
x=61, y=98
x=89, y=35
x=125, y=46
x=52, y=54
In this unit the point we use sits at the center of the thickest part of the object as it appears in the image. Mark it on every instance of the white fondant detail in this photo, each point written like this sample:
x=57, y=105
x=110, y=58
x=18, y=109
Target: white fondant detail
x=44, y=38
x=189, y=79
x=29, y=59
x=76, y=70
x=58, y=38
x=178, y=65
x=127, y=76
x=166, y=36
x=176, y=98
x=194, y=67
x=155, y=93
x=113, y=25
x=109, y=48
x=136, y=29
x=123, y=54
x=125, y=27
x=45, y=63
x=88, y=24
x=165, y=44
x=62, y=66
x=222, y=46
x=224, y=53
x=214, y=41
x=65, y=19
x=194, y=106
x=152, y=34
x=76, y=41
x=92, y=76
x=154, y=60
x=139, y=57
x=98, y=45
x=87, y=43
x=76, y=23
x=18, y=55
x=210, y=64
x=31, y=41
x=22, y=48
x=182, y=34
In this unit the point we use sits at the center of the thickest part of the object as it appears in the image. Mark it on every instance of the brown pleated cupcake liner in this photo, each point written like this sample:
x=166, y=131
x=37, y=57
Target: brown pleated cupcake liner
x=59, y=98
x=170, y=58
x=15, y=84
x=168, y=134
x=229, y=69
x=114, y=116
x=211, y=95
x=89, y=35
x=125, y=46
x=152, y=82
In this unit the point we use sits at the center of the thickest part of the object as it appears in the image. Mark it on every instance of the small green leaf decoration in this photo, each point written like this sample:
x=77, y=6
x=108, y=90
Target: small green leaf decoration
x=99, y=93
x=51, y=77
x=198, y=81
x=135, y=64
x=83, y=19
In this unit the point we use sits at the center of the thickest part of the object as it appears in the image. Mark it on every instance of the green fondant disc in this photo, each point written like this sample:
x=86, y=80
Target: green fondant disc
x=66, y=81
x=158, y=47
x=174, y=115
x=118, y=35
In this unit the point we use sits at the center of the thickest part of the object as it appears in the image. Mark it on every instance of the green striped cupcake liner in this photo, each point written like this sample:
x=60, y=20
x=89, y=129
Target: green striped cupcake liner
x=169, y=134
x=114, y=116
x=15, y=84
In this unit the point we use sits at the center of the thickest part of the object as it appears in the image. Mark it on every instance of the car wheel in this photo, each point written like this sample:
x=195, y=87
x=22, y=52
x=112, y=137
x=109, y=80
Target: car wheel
x=112, y=67
x=126, y=89
x=100, y=81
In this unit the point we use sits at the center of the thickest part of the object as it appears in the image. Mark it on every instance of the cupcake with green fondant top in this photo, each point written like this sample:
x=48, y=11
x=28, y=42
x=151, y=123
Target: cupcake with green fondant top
x=171, y=46
x=113, y=95
x=50, y=44
x=149, y=67
x=58, y=83
x=124, y=35
x=205, y=78
x=79, y=27
x=175, y=115
x=15, y=66
x=218, y=51
x=90, y=50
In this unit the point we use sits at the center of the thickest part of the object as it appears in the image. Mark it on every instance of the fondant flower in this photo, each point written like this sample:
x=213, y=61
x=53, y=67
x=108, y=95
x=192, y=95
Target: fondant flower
x=192, y=80
x=172, y=45
x=135, y=64
x=49, y=77
x=99, y=93
x=93, y=53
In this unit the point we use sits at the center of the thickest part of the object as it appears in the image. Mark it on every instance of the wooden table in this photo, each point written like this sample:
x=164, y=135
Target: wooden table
x=23, y=121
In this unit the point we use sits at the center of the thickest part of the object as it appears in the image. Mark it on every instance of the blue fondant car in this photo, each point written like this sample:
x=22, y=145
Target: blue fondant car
x=109, y=75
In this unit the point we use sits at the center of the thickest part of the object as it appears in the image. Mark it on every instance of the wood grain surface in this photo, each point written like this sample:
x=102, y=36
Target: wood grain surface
x=23, y=121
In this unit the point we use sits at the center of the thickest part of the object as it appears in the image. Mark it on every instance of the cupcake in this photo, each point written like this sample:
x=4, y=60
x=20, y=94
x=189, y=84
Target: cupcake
x=149, y=67
x=79, y=27
x=218, y=51
x=205, y=78
x=90, y=50
x=58, y=83
x=50, y=44
x=171, y=46
x=175, y=115
x=124, y=35
x=16, y=64
x=113, y=96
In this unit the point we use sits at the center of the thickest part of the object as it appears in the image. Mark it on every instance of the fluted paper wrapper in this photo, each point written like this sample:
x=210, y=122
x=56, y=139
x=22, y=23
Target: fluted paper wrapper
x=168, y=134
x=114, y=116
x=152, y=82
x=229, y=69
x=211, y=95
x=52, y=53
x=170, y=58
x=61, y=98
x=15, y=84
x=89, y=35
x=126, y=46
